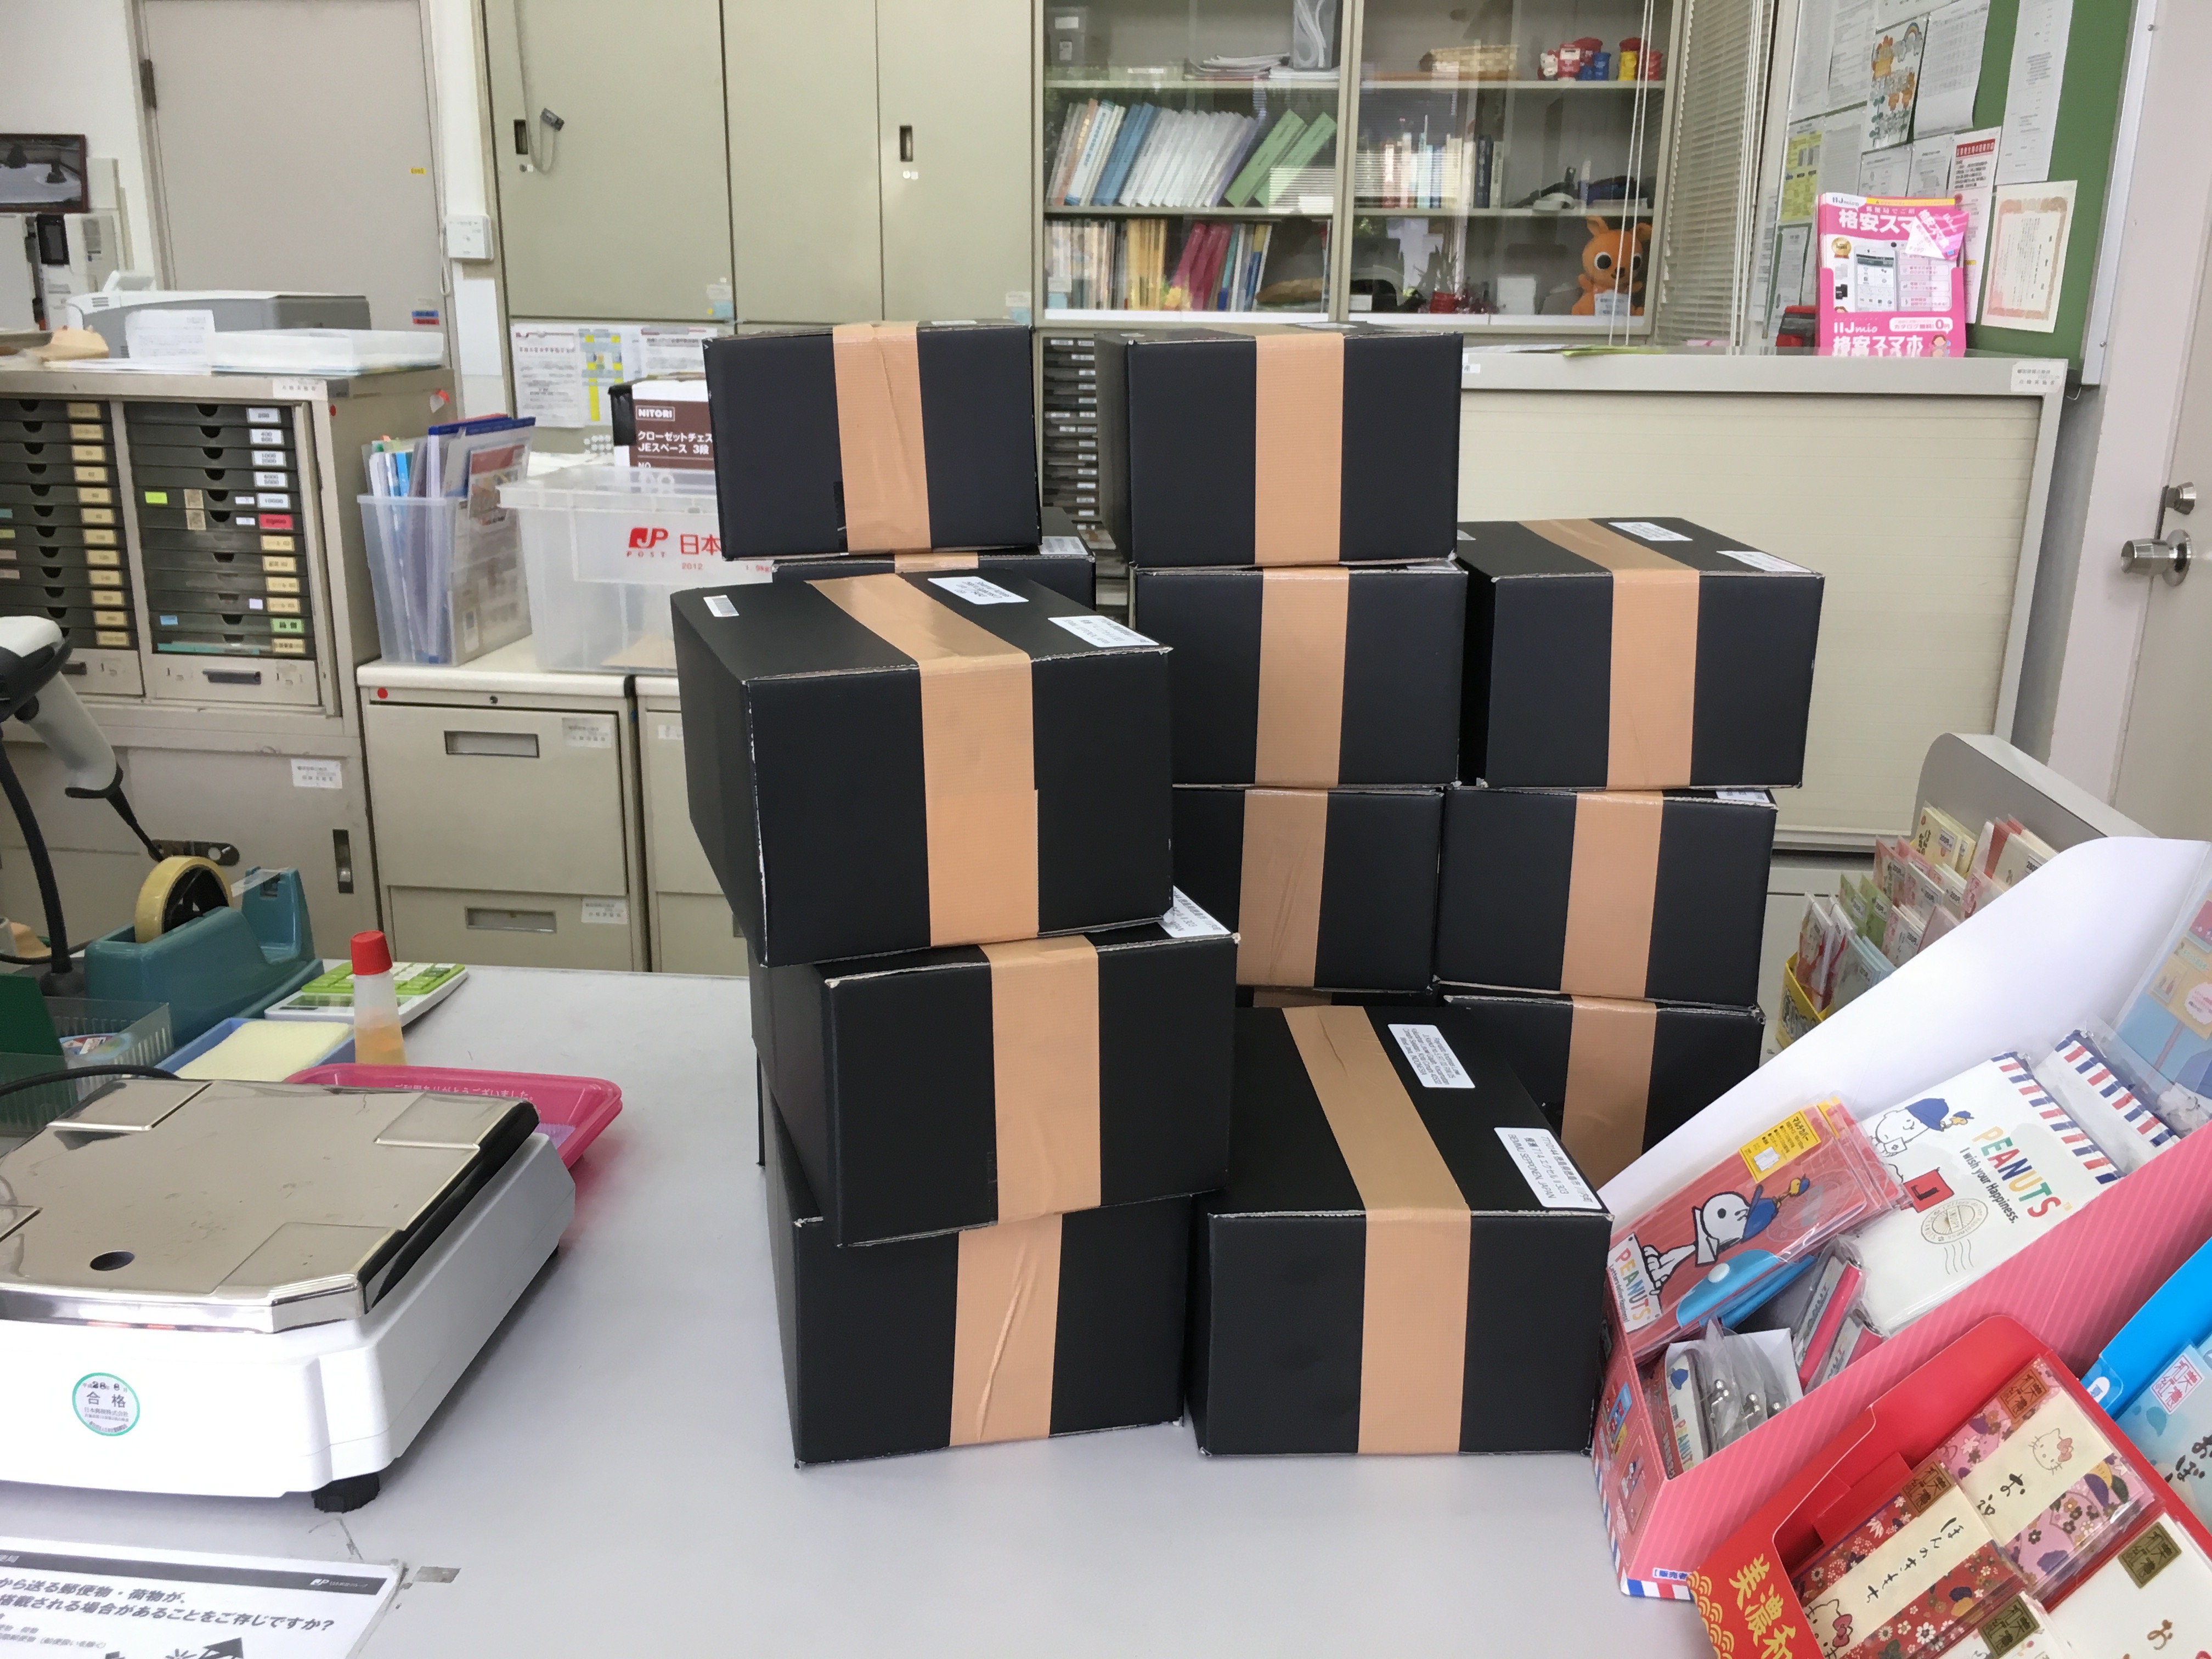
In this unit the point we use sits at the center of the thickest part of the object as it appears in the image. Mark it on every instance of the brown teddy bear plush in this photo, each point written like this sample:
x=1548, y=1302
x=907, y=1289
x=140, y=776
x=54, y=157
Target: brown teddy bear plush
x=1603, y=256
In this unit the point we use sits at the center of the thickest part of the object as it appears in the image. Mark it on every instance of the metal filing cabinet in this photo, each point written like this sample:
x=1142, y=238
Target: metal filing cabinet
x=506, y=809
x=205, y=511
x=692, y=931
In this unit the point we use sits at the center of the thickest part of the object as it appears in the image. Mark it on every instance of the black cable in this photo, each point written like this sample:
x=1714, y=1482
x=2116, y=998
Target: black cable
x=24, y=962
x=42, y=864
x=74, y=1072
x=122, y=811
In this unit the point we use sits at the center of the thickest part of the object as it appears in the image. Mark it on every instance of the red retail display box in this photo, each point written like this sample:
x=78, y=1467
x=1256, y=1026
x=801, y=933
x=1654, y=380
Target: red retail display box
x=1743, y=1590
x=2065, y=947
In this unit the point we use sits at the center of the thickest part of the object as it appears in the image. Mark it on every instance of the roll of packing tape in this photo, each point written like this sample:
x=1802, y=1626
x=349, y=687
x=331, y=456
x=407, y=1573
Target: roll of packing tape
x=177, y=891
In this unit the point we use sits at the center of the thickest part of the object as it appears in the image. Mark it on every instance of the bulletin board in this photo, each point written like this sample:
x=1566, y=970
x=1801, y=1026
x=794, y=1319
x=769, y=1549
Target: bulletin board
x=2081, y=144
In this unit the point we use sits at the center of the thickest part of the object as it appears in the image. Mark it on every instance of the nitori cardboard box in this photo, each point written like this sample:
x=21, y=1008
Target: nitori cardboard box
x=2068, y=946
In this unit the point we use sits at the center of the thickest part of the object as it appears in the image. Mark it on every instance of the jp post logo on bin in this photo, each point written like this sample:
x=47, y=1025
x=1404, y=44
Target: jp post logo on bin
x=651, y=541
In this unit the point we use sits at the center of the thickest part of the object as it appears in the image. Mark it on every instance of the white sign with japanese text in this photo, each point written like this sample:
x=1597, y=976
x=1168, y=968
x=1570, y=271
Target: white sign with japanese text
x=123, y=1603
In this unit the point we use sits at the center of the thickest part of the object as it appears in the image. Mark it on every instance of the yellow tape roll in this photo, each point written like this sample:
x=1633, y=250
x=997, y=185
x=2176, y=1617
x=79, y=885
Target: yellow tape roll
x=176, y=891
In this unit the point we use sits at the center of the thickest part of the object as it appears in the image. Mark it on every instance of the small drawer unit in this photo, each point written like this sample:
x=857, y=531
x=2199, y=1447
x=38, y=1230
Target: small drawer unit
x=692, y=931
x=219, y=494
x=504, y=805
x=61, y=548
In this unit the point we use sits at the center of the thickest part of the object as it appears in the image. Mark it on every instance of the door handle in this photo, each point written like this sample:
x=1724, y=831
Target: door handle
x=2169, y=553
x=905, y=143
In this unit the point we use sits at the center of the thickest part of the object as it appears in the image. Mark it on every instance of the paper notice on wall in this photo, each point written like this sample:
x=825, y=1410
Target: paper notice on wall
x=2029, y=228
x=1843, y=137
x=549, y=374
x=1885, y=171
x=1801, y=172
x=1893, y=70
x=673, y=350
x=1930, y=173
x=1848, y=57
x=1951, y=69
x=1809, y=73
x=2032, y=89
x=1973, y=179
x=1790, y=248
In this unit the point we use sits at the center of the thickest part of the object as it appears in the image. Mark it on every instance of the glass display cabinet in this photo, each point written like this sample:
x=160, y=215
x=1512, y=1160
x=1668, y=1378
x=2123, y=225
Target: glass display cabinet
x=1505, y=168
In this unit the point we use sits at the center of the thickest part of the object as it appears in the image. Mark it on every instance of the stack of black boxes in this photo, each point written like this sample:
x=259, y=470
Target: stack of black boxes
x=978, y=838
x=936, y=793
x=1403, y=1260
x=1632, y=689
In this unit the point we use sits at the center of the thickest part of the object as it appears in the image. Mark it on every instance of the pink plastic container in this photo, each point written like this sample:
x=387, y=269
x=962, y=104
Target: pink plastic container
x=571, y=1111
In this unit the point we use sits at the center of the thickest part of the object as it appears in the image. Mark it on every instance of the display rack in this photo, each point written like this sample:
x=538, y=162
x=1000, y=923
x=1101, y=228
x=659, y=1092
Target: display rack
x=1464, y=144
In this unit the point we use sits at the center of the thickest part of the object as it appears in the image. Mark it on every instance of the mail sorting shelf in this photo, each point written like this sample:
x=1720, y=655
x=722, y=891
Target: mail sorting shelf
x=61, y=547
x=219, y=503
x=1070, y=427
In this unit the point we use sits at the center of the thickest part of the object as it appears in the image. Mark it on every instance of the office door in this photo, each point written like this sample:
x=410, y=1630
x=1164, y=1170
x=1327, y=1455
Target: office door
x=955, y=135
x=292, y=143
x=2166, y=759
x=621, y=210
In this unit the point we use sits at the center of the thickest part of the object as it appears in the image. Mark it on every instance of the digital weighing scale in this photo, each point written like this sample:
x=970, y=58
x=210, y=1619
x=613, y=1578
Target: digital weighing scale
x=246, y=1290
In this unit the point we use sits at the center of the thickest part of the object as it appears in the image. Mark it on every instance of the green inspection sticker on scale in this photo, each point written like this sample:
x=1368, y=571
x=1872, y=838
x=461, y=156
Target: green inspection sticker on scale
x=105, y=1404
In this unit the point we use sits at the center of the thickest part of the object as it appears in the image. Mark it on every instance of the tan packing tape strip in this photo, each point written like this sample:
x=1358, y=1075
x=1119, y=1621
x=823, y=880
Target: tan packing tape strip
x=1608, y=1083
x=978, y=758
x=1413, y=1345
x=1044, y=1074
x=1278, y=886
x=1654, y=654
x=923, y=563
x=1302, y=616
x=1609, y=892
x=879, y=441
x=1297, y=458
x=1005, y=1321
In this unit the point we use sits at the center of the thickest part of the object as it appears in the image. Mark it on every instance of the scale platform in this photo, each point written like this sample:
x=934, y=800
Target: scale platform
x=245, y=1289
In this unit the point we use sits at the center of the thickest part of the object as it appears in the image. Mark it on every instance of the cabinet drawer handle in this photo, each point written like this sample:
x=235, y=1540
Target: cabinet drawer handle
x=484, y=920
x=518, y=745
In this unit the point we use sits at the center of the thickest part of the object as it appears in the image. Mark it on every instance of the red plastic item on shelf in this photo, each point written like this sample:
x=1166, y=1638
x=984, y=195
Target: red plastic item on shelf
x=1742, y=1589
x=571, y=1111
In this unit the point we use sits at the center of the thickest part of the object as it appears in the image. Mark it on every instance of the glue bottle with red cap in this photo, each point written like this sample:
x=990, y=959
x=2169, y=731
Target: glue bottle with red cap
x=376, y=1040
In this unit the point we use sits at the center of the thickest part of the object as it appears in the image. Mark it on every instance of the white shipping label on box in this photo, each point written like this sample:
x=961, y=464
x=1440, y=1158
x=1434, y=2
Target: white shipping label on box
x=317, y=774
x=607, y=913
x=976, y=590
x=587, y=731
x=1102, y=631
x=1062, y=546
x=111, y=1599
x=1431, y=1057
x=1649, y=533
x=1184, y=919
x=719, y=604
x=1550, y=1173
x=1758, y=561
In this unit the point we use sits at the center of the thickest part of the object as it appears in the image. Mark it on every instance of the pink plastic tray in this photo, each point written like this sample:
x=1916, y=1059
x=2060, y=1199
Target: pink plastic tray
x=571, y=1111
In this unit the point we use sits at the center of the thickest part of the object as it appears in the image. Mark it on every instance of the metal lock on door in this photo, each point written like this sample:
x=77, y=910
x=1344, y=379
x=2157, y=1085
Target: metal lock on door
x=2171, y=551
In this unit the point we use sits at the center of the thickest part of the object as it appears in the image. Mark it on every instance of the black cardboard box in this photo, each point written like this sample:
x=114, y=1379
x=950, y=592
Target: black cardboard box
x=1295, y=445
x=1616, y=1077
x=950, y=1089
x=1404, y=1259
x=1658, y=897
x=1312, y=677
x=1058, y=1325
x=1334, y=887
x=854, y=801
x=1071, y=575
x=1634, y=653
x=1302, y=996
x=871, y=436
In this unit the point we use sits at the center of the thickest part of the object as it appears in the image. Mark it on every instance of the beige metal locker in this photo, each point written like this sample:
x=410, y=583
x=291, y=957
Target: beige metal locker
x=505, y=807
x=692, y=931
x=623, y=211
x=956, y=117
x=805, y=197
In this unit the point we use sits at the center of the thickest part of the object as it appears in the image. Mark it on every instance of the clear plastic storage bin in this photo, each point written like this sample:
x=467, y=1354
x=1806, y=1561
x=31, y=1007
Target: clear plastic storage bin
x=605, y=547
x=448, y=585
x=93, y=1032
